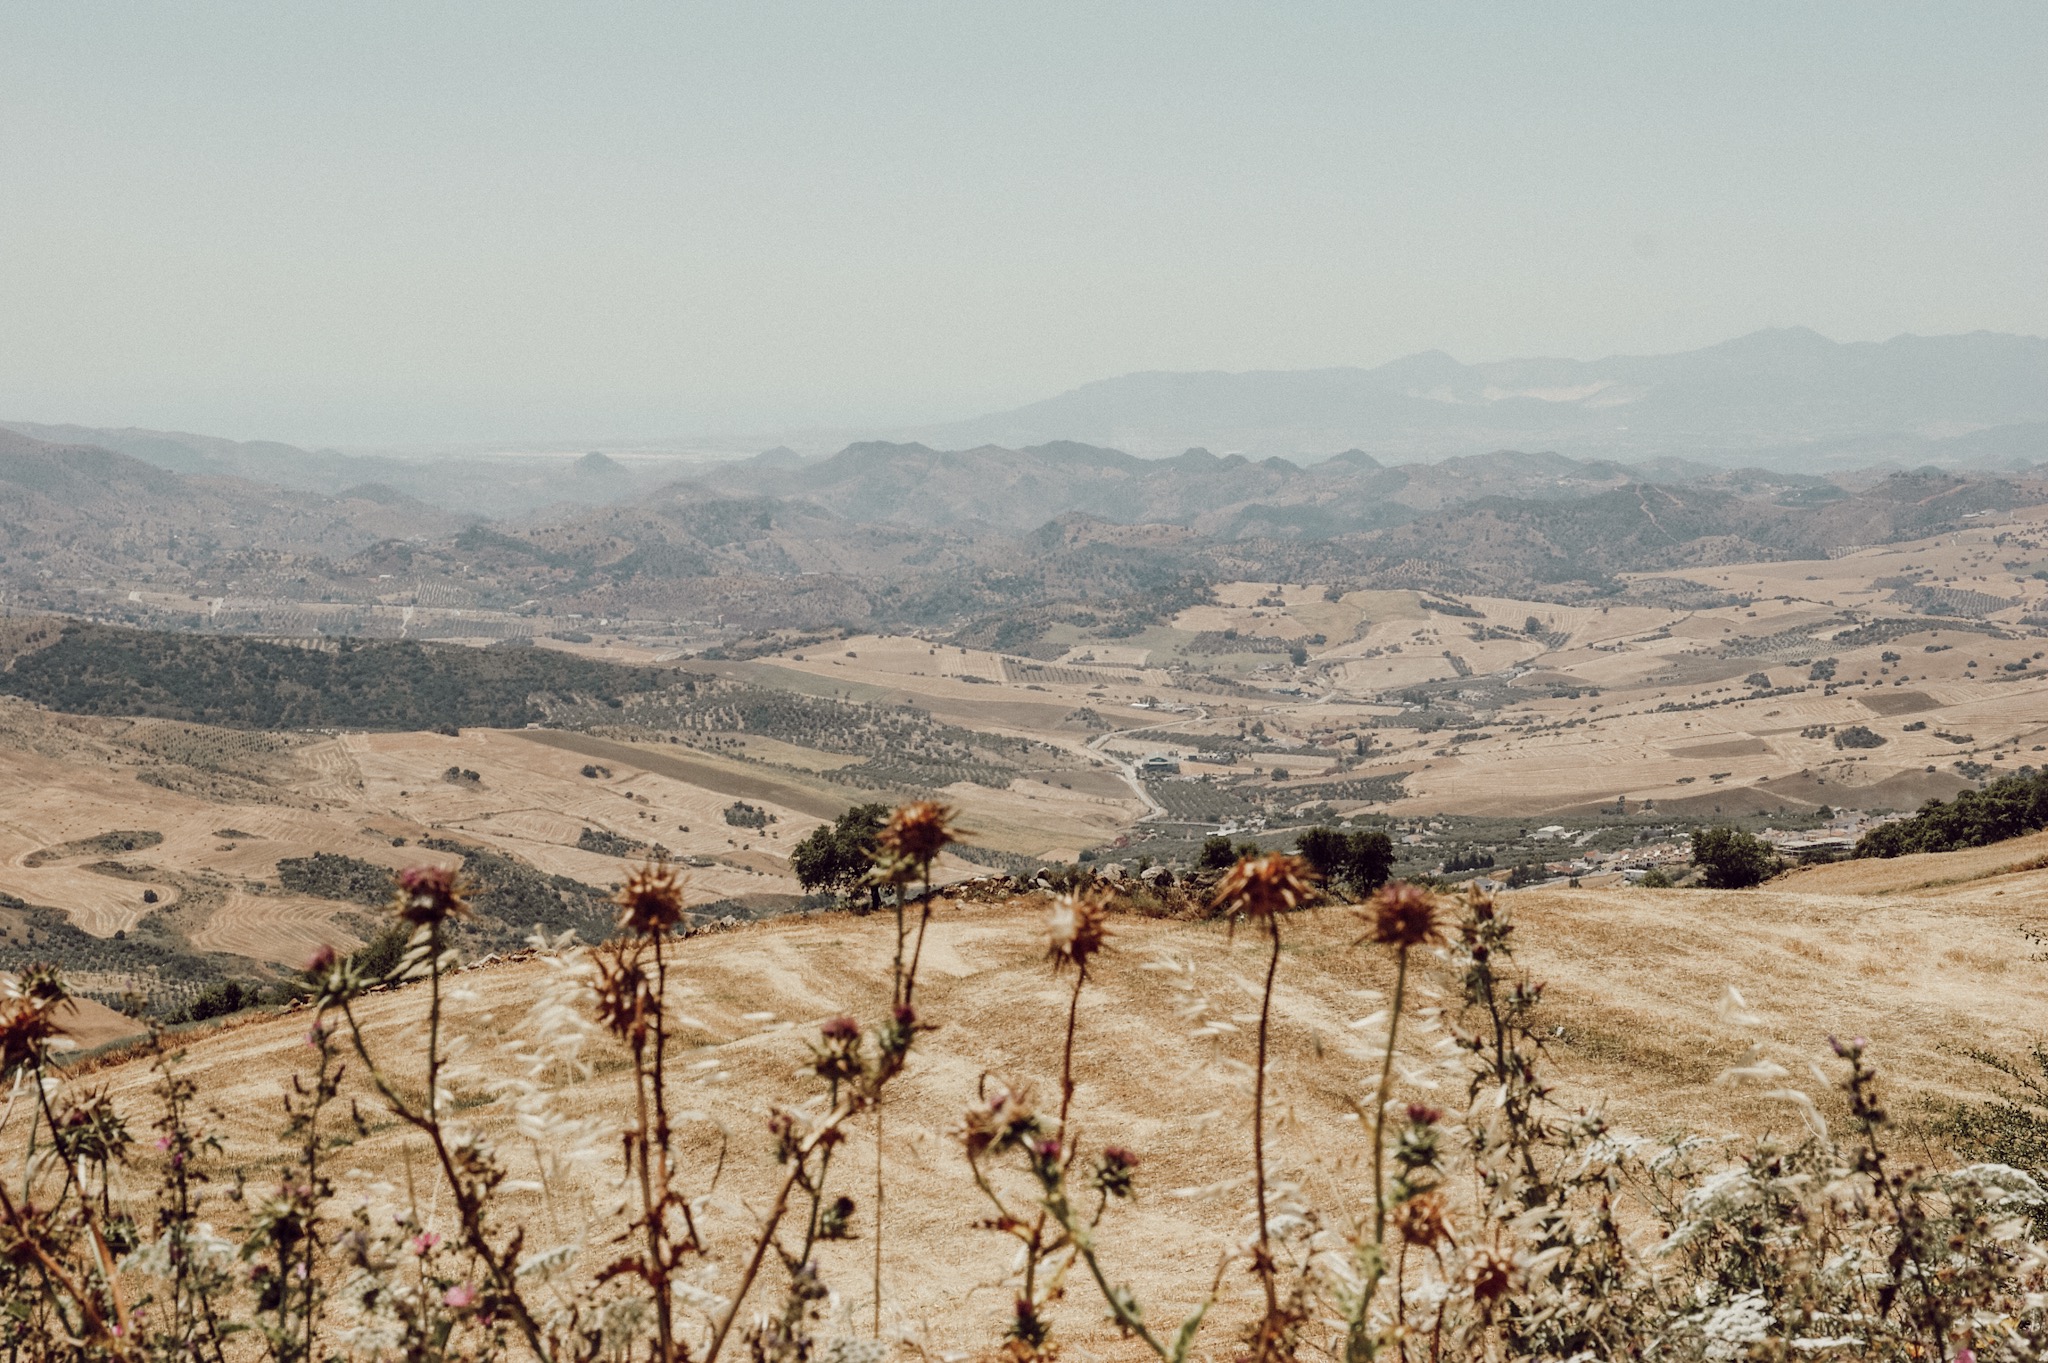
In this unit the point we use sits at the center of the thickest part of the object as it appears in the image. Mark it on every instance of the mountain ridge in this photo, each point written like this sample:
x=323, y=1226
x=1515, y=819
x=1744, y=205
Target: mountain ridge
x=1779, y=392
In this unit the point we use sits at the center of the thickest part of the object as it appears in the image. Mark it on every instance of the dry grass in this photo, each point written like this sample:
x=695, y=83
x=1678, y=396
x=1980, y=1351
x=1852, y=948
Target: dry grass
x=1634, y=978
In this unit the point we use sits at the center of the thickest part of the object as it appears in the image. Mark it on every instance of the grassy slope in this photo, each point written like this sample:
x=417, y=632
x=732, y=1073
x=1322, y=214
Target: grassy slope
x=1634, y=977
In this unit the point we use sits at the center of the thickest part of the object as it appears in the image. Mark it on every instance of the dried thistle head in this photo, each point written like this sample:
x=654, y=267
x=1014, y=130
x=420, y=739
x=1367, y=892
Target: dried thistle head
x=626, y=1001
x=651, y=901
x=429, y=894
x=1115, y=1172
x=918, y=831
x=42, y=986
x=1490, y=1277
x=1004, y=1117
x=1076, y=928
x=25, y=1034
x=836, y=1057
x=1424, y=1220
x=1265, y=886
x=1403, y=915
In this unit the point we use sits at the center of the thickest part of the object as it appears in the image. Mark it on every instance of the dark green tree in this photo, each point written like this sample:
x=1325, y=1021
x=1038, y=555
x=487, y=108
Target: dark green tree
x=837, y=856
x=1732, y=859
x=1359, y=861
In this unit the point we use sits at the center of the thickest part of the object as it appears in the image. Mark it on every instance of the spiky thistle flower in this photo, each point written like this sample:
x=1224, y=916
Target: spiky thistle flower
x=1076, y=928
x=1403, y=915
x=430, y=894
x=919, y=831
x=624, y=993
x=1265, y=886
x=651, y=901
x=1004, y=1117
x=1424, y=1219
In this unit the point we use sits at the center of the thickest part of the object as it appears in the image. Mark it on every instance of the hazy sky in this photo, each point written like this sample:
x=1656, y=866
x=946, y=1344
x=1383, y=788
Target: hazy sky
x=359, y=222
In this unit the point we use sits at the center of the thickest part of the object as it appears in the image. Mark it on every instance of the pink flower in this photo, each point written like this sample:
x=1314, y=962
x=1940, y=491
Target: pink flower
x=321, y=961
x=460, y=1298
x=424, y=1241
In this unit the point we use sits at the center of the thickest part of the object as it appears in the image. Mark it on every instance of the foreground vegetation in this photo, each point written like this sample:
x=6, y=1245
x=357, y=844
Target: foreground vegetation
x=1500, y=1224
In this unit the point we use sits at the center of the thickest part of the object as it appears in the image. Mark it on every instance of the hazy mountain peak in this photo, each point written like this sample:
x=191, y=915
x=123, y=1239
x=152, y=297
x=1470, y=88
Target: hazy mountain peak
x=1785, y=397
x=597, y=464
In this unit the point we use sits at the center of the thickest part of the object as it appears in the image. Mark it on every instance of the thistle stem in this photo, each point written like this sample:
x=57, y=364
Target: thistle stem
x=1264, y=1265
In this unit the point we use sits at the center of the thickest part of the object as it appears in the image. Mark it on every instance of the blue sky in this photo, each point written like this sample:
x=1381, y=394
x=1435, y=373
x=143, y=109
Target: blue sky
x=370, y=223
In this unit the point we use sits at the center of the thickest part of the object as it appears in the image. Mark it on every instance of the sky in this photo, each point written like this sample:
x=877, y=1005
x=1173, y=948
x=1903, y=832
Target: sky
x=408, y=224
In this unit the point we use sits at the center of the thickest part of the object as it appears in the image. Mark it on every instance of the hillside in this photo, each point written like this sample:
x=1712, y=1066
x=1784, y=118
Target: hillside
x=1634, y=979
x=245, y=683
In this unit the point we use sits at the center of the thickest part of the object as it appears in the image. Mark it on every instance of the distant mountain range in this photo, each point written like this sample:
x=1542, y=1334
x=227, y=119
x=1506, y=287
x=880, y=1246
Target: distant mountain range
x=989, y=544
x=1787, y=399
x=465, y=485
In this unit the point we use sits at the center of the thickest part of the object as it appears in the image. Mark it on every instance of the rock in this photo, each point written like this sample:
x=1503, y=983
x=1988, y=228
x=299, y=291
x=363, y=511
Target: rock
x=1157, y=876
x=1112, y=872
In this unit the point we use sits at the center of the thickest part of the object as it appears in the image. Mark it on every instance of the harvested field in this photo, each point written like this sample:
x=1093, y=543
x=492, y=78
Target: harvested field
x=281, y=928
x=1634, y=983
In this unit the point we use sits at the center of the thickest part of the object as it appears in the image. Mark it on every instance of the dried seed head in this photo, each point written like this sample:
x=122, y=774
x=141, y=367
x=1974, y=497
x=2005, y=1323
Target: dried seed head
x=1115, y=1173
x=651, y=901
x=1491, y=1277
x=1265, y=886
x=626, y=1002
x=919, y=831
x=25, y=1034
x=429, y=894
x=1004, y=1117
x=1075, y=929
x=1424, y=1220
x=1403, y=915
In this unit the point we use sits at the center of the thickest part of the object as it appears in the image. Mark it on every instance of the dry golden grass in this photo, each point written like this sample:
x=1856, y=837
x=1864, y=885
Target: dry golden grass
x=1634, y=978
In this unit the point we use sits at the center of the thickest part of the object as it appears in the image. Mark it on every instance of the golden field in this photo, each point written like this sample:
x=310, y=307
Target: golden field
x=1924, y=956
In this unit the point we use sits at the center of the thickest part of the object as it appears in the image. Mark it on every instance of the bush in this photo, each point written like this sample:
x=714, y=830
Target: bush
x=1655, y=880
x=1359, y=861
x=1859, y=736
x=217, y=1001
x=1216, y=855
x=1732, y=859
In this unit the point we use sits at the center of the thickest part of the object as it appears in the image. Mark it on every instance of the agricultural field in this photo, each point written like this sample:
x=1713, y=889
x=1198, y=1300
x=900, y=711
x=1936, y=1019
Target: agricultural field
x=1874, y=680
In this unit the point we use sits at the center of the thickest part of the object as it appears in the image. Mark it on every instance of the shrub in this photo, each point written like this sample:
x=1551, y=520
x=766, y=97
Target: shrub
x=1216, y=853
x=1359, y=861
x=217, y=1000
x=1859, y=736
x=1732, y=859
